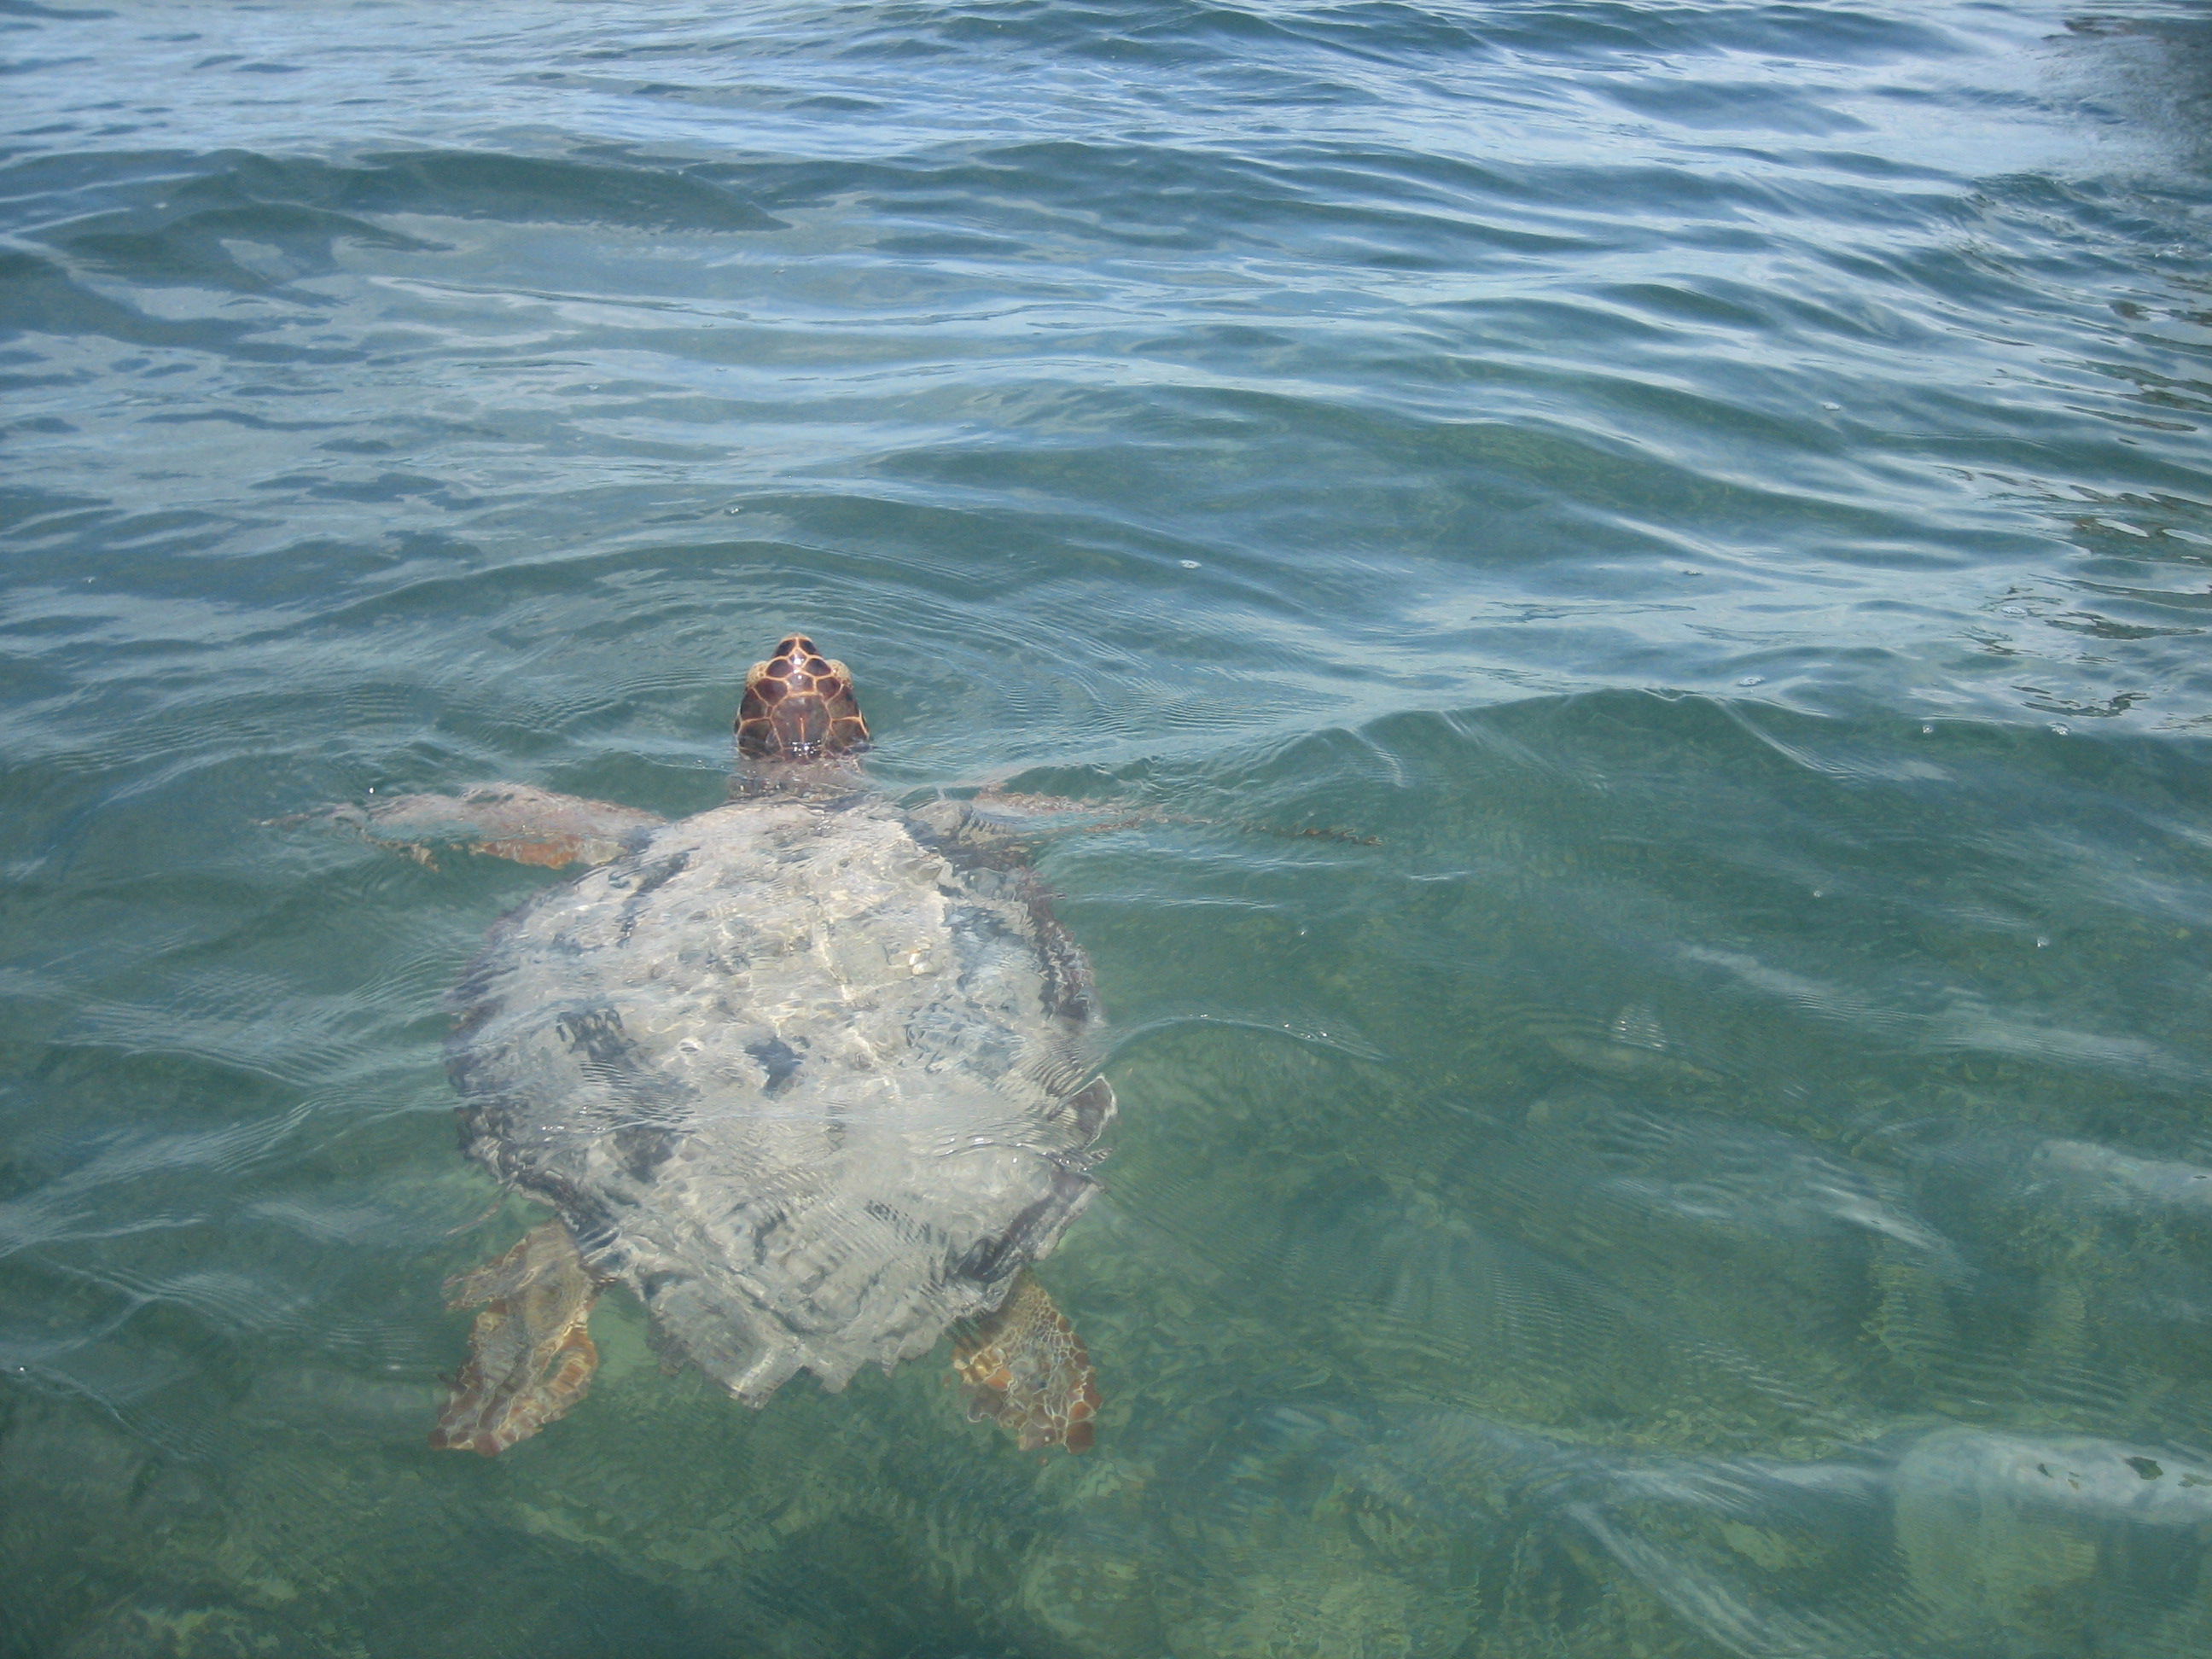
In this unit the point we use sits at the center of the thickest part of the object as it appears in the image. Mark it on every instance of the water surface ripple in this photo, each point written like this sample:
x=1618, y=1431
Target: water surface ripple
x=1647, y=565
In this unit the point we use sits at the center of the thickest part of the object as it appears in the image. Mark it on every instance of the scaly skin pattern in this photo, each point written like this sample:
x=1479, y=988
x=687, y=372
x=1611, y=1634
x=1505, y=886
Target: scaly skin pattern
x=1026, y=1369
x=531, y=1359
x=503, y=820
x=800, y=706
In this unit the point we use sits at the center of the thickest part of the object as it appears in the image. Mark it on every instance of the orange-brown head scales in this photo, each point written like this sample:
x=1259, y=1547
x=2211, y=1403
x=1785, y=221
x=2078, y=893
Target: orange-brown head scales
x=800, y=706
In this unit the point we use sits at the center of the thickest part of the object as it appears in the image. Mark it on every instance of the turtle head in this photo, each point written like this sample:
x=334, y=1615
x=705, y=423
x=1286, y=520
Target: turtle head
x=800, y=706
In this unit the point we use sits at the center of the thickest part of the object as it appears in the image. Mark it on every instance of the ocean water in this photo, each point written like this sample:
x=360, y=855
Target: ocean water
x=1630, y=584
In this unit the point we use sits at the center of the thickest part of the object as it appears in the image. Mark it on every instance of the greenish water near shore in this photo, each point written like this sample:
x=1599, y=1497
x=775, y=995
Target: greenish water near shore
x=1645, y=564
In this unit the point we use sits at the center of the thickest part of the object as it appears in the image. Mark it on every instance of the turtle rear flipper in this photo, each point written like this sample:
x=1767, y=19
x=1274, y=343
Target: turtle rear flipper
x=530, y=1356
x=1026, y=1369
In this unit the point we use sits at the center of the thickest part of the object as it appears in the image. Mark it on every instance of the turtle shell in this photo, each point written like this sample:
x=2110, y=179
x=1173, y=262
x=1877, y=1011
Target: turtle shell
x=811, y=1075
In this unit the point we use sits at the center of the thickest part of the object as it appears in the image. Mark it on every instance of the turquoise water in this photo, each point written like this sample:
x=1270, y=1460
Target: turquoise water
x=1631, y=581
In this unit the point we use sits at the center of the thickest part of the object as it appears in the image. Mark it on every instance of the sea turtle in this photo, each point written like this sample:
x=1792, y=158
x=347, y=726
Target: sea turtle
x=809, y=1073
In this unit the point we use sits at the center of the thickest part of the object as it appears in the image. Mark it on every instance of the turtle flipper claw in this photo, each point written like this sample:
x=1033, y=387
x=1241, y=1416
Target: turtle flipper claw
x=1026, y=1369
x=531, y=1359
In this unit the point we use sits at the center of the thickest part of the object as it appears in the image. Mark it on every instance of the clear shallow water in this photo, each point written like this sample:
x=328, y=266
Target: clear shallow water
x=1705, y=507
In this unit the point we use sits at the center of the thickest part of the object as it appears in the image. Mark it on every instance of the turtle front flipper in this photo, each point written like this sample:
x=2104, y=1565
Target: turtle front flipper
x=505, y=820
x=1026, y=1369
x=530, y=1358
